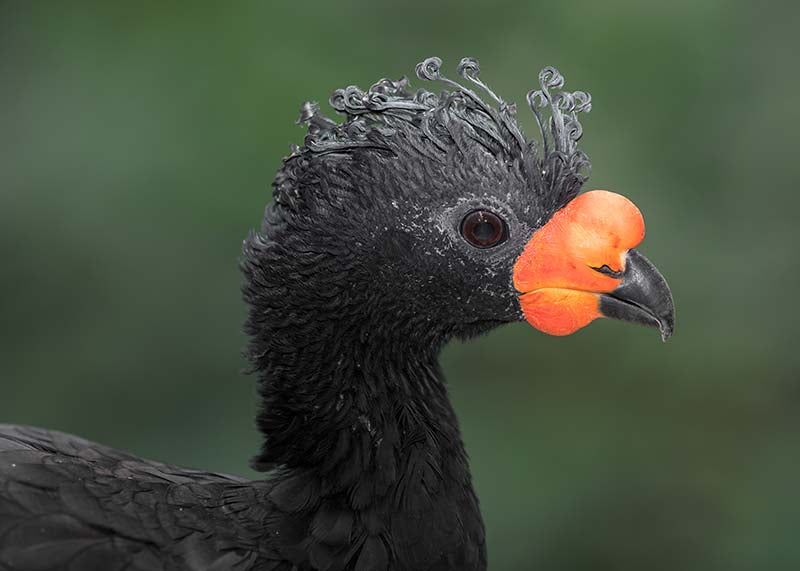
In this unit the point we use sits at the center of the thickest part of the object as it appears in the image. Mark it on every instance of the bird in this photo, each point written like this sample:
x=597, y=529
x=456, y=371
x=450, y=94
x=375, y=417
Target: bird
x=417, y=218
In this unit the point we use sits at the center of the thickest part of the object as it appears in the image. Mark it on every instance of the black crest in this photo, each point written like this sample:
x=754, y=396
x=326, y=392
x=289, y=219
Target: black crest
x=457, y=119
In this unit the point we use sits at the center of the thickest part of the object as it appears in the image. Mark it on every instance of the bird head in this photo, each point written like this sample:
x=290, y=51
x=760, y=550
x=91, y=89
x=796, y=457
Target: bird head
x=421, y=216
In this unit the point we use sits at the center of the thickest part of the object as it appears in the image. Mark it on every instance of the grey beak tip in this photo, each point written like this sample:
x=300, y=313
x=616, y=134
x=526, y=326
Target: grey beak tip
x=666, y=329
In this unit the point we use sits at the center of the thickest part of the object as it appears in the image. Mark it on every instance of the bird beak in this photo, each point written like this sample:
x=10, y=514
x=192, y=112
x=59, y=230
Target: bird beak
x=642, y=297
x=582, y=265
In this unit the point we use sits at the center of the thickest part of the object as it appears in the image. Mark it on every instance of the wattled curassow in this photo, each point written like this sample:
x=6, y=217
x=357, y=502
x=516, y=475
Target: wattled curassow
x=418, y=218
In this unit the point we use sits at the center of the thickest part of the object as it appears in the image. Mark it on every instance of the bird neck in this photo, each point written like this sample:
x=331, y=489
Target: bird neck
x=358, y=429
x=326, y=403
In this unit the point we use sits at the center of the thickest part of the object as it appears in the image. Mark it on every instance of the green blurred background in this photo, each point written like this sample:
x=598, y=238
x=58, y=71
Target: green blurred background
x=137, y=145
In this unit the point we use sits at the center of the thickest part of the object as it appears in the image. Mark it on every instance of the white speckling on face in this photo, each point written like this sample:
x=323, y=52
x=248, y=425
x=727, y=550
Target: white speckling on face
x=394, y=204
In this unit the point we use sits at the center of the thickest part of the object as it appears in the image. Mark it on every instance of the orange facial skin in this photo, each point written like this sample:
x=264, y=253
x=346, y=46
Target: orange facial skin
x=560, y=287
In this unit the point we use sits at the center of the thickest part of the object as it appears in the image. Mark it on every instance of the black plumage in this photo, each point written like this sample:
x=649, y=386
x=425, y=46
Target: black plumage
x=354, y=282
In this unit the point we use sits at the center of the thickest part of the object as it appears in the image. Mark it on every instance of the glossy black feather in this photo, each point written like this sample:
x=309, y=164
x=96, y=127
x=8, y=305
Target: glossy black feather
x=66, y=503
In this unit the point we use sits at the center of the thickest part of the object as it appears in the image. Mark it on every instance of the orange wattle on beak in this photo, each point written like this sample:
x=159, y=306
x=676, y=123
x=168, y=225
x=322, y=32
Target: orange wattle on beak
x=572, y=269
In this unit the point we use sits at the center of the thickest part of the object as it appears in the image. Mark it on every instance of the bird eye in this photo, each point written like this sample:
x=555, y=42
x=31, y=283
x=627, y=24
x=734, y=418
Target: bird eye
x=483, y=229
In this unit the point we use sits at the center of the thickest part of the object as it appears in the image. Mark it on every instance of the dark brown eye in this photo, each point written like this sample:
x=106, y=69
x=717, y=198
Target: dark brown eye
x=483, y=229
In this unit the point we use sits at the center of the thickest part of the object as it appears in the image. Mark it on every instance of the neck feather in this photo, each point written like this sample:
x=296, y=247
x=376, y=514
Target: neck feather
x=372, y=444
x=366, y=458
x=349, y=401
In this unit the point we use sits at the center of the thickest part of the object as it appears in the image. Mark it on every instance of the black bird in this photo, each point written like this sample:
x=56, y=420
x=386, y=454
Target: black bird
x=419, y=218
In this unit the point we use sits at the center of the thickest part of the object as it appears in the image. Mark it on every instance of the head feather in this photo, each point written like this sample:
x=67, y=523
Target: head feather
x=456, y=118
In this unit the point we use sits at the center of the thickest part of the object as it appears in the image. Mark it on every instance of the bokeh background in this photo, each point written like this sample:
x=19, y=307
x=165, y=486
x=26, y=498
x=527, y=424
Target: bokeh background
x=137, y=146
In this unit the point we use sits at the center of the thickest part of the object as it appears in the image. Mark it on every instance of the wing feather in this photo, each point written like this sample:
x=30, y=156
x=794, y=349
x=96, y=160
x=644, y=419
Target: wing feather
x=70, y=504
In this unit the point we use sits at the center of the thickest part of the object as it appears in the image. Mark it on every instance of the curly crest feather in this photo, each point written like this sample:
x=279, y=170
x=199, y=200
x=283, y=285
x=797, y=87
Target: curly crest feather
x=456, y=120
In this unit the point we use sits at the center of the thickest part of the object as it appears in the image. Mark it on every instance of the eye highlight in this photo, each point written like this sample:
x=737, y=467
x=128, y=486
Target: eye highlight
x=483, y=229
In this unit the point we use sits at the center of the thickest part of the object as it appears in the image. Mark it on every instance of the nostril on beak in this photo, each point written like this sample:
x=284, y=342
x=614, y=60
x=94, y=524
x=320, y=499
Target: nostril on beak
x=607, y=271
